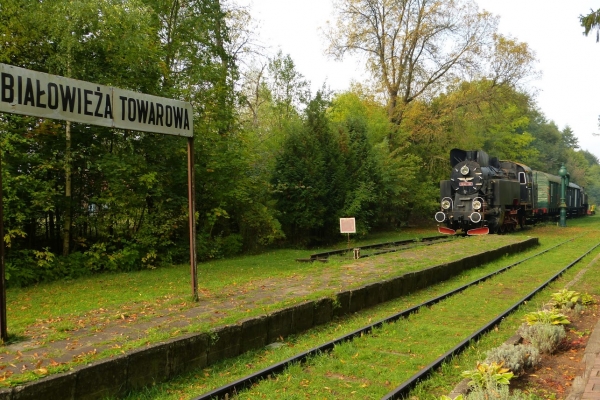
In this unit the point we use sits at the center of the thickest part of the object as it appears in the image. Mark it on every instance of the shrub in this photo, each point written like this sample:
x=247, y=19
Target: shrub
x=587, y=299
x=516, y=358
x=543, y=336
x=547, y=317
x=217, y=247
x=565, y=298
x=485, y=374
x=109, y=256
x=497, y=392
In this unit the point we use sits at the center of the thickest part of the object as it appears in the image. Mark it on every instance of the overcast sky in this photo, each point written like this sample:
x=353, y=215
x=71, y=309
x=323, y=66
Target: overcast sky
x=569, y=88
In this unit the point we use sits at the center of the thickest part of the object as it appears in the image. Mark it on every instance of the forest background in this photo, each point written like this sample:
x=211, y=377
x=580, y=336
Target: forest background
x=276, y=165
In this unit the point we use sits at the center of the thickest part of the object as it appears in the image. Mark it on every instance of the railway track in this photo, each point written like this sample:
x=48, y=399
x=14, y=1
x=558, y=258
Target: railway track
x=376, y=249
x=239, y=385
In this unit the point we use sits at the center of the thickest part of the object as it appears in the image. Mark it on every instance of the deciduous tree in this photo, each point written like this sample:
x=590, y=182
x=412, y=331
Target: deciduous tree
x=412, y=47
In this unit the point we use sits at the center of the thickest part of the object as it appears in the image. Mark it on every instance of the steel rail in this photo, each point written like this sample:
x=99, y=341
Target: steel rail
x=247, y=381
x=403, y=390
x=325, y=254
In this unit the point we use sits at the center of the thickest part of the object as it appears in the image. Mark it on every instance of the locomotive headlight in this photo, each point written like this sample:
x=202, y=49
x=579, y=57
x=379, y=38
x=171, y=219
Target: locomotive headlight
x=464, y=170
x=446, y=204
x=476, y=205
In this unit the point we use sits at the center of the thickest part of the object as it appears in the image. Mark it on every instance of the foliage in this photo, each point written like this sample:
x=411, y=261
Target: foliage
x=274, y=164
x=544, y=336
x=551, y=317
x=497, y=392
x=591, y=22
x=485, y=374
x=448, y=34
x=565, y=298
x=587, y=299
x=517, y=358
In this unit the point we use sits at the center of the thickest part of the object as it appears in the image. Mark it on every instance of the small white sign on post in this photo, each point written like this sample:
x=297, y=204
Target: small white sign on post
x=347, y=225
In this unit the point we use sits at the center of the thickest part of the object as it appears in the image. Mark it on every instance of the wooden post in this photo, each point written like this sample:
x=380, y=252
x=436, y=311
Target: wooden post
x=192, y=218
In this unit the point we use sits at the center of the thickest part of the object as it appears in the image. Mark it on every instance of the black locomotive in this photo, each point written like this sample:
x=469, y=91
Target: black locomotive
x=485, y=195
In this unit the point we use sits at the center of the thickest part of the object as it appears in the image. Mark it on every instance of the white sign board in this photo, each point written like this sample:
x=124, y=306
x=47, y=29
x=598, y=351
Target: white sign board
x=38, y=94
x=347, y=225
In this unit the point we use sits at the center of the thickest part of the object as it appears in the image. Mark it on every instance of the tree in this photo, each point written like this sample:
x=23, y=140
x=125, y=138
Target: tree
x=129, y=191
x=509, y=63
x=476, y=114
x=106, y=41
x=592, y=159
x=548, y=141
x=412, y=47
x=570, y=141
x=302, y=176
x=591, y=22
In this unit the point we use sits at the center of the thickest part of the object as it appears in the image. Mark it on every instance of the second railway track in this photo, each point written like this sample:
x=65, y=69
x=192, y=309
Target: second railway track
x=376, y=248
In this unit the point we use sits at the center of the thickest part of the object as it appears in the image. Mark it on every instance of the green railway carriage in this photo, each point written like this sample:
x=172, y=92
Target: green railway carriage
x=548, y=194
x=576, y=199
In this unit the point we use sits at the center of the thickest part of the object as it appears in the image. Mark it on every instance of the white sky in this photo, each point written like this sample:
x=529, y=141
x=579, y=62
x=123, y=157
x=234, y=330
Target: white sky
x=568, y=89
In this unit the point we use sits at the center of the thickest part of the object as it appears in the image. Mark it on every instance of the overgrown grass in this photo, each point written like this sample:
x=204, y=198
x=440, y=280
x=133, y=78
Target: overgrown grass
x=81, y=303
x=92, y=300
x=373, y=365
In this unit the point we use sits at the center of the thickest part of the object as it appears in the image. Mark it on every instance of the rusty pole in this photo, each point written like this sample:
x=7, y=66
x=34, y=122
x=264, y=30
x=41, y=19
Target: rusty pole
x=192, y=218
x=3, y=322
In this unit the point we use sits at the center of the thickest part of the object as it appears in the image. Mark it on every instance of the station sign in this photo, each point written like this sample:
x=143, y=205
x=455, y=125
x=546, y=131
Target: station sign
x=38, y=94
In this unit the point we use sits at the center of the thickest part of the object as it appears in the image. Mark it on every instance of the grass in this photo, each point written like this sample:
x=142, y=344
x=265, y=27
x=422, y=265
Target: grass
x=354, y=370
x=91, y=301
x=63, y=306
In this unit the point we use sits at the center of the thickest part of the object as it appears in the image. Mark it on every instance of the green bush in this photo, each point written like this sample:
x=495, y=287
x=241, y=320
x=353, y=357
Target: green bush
x=26, y=267
x=565, y=298
x=20, y=268
x=496, y=392
x=516, y=358
x=547, y=317
x=543, y=336
x=485, y=374
x=209, y=248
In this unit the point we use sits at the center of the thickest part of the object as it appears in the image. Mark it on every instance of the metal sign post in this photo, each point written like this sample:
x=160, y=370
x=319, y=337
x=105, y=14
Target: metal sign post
x=3, y=322
x=192, y=218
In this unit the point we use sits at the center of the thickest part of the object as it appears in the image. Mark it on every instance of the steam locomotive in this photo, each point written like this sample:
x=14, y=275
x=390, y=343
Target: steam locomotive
x=485, y=195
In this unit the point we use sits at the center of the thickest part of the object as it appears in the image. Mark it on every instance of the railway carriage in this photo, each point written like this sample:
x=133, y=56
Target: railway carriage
x=548, y=194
